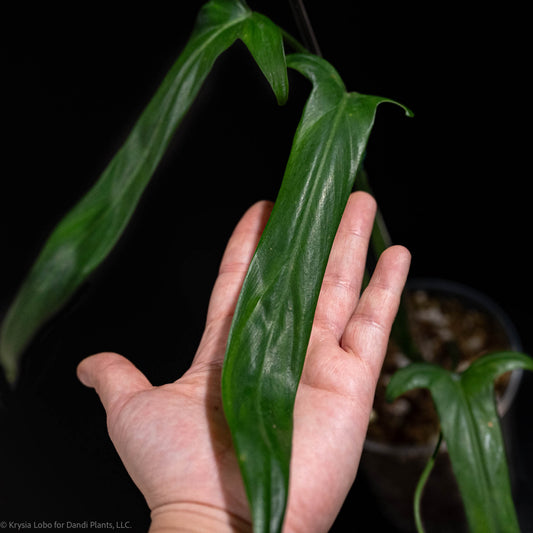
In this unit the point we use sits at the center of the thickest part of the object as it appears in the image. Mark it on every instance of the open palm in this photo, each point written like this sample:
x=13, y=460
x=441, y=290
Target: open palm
x=174, y=440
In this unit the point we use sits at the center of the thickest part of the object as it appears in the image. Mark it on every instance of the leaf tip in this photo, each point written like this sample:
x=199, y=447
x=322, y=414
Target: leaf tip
x=8, y=366
x=408, y=112
x=282, y=95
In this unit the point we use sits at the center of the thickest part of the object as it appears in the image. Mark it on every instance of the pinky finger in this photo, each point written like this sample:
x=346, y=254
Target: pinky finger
x=368, y=330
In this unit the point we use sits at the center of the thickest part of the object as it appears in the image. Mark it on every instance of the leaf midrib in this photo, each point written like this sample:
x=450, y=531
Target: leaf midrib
x=299, y=237
x=477, y=456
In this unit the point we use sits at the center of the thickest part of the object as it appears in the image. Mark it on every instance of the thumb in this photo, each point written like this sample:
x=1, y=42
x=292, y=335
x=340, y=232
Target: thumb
x=114, y=378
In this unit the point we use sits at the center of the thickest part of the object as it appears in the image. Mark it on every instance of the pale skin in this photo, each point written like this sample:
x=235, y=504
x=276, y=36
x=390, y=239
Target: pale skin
x=174, y=440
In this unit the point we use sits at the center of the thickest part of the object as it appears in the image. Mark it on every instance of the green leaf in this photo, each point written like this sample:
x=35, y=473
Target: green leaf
x=467, y=410
x=271, y=327
x=85, y=237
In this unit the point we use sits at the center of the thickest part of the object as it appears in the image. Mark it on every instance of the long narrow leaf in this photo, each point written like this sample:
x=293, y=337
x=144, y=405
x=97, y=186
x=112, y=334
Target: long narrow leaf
x=84, y=238
x=470, y=426
x=271, y=327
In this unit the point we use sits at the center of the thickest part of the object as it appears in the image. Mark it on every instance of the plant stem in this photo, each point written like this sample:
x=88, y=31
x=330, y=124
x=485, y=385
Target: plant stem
x=422, y=483
x=304, y=26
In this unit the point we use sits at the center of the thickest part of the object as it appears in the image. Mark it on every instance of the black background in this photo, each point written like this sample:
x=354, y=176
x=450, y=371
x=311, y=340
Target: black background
x=452, y=184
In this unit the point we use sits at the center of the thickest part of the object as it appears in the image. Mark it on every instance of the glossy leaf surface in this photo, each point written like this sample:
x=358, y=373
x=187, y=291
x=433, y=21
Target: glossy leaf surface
x=271, y=328
x=467, y=411
x=84, y=238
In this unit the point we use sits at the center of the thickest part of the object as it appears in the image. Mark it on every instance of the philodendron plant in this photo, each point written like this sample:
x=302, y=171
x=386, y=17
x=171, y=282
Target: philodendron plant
x=469, y=424
x=260, y=378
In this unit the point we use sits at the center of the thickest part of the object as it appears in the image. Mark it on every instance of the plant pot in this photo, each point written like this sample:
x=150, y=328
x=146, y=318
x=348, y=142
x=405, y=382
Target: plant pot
x=393, y=469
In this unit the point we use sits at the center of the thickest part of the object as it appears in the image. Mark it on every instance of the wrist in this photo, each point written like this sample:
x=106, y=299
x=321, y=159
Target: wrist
x=190, y=517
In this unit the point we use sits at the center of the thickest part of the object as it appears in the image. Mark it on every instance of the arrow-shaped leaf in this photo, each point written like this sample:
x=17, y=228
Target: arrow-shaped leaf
x=271, y=327
x=84, y=238
x=467, y=411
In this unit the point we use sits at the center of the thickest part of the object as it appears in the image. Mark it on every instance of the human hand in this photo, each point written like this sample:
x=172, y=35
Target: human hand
x=174, y=440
